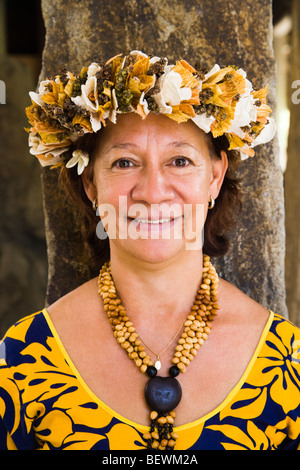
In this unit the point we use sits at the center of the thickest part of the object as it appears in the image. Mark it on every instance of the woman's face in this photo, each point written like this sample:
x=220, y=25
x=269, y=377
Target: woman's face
x=153, y=180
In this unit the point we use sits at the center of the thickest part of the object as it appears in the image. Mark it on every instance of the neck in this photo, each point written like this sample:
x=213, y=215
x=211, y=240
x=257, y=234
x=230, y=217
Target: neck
x=154, y=292
x=160, y=322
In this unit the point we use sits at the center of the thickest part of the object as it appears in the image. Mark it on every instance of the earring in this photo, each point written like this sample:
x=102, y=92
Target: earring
x=95, y=204
x=211, y=203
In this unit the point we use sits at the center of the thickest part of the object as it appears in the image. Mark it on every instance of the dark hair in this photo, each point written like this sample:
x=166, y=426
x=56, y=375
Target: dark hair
x=220, y=220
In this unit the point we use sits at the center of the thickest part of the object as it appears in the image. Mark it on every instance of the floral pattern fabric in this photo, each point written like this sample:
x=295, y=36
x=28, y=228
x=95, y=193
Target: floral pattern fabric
x=44, y=403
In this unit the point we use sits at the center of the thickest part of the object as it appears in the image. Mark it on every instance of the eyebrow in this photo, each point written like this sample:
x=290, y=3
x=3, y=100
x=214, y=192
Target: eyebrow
x=180, y=144
x=125, y=145
x=177, y=144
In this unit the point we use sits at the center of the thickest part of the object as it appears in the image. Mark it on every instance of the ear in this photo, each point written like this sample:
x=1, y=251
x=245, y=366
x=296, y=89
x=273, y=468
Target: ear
x=219, y=168
x=88, y=184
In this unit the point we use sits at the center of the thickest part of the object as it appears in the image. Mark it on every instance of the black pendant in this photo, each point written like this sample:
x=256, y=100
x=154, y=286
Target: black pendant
x=163, y=394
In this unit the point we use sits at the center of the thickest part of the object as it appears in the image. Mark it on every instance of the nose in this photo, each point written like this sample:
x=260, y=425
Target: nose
x=153, y=186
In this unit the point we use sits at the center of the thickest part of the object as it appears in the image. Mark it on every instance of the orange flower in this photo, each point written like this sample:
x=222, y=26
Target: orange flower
x=185, y=70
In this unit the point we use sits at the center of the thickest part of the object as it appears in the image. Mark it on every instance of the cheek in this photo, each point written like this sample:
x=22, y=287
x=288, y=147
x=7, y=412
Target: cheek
x=194, y=190
x=109, y=189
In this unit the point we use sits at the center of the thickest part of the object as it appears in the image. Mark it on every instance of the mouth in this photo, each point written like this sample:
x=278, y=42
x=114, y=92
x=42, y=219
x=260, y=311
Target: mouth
x=165, y=227
x=153, y=221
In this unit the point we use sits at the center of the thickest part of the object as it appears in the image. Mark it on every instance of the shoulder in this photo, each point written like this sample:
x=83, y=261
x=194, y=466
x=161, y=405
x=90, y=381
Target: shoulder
x=80, y=299
x=240, y=309
x=284, y=326
x=32, y=329
x=284, y=336
x=241, y=313
x=77, y=308
x=21, y=326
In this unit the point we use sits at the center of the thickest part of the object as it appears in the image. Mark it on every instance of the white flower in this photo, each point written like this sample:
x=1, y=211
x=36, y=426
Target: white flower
x=243, y=155
x=214, y=70
x=245, y=109
x=47, y=154
x=93, y=69
x=114, y=99
x=249, y=86
x=44, y=86
x=203, y=122
x=144, y=105
x=264, y=137
x=84, y=101
x=266, y=134
x=80, y=158
x=171, y=93
x=36, y=98
x=245, y=112
x=154, y=59
x=43, y=89
x=140, y=53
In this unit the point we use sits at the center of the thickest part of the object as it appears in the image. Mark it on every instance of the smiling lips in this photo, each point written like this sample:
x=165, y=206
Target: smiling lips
x=153, y=222
x=160, y=221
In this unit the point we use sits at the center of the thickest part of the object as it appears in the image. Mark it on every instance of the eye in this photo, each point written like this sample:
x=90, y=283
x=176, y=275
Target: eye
x=123, y=163
x=181, y=161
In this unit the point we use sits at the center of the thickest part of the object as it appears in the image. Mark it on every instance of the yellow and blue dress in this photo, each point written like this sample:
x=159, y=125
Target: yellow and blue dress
x=45, y=404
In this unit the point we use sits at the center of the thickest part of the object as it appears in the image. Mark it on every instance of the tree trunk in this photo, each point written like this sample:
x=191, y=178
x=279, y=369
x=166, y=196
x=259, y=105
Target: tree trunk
x=292, y=175
x=227, y=33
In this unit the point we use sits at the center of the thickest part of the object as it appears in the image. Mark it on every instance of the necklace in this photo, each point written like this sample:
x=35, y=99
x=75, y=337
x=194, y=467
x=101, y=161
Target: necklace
x=157, y=364
x=163, y=394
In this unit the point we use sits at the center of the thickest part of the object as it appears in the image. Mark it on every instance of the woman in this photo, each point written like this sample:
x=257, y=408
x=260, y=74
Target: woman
x=158, y=332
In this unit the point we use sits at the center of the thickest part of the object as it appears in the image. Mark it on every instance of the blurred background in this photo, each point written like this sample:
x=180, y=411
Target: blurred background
x=23, y=251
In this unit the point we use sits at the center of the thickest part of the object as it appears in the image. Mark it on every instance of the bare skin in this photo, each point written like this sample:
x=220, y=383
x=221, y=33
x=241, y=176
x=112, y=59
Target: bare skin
x=157, y=280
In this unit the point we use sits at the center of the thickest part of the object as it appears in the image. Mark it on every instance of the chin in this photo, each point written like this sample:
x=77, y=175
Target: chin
x=156, y=251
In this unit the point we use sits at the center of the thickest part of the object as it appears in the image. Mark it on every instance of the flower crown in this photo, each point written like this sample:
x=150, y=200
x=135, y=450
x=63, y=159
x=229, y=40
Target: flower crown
x=221, y=101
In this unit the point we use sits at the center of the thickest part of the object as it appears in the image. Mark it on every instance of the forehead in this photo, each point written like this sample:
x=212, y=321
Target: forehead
x=160, y=130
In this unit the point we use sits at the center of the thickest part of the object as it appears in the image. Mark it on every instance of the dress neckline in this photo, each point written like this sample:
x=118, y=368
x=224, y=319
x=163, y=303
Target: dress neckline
x=142, y=427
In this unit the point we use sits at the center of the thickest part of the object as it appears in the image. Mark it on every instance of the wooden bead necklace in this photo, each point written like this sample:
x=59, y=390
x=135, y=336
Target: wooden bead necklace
x=163, y=394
